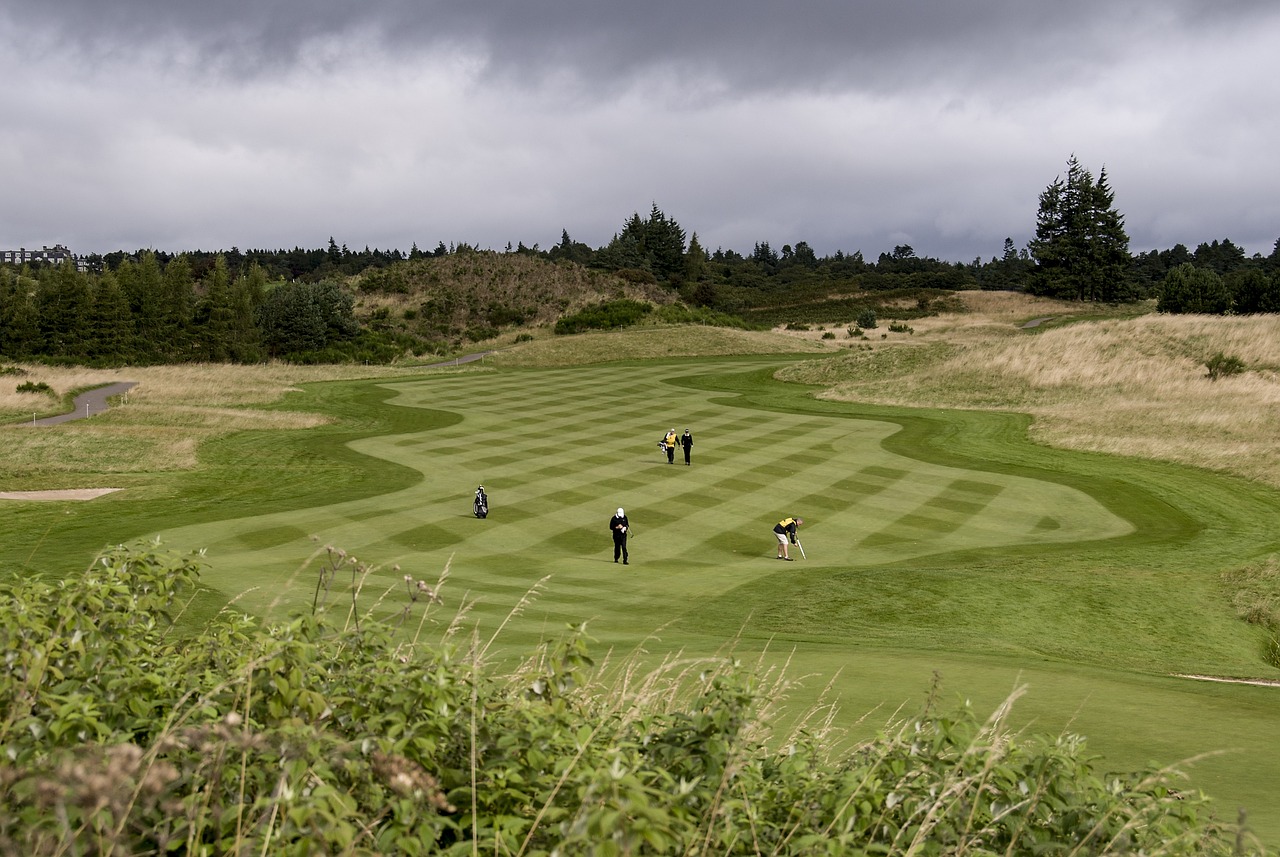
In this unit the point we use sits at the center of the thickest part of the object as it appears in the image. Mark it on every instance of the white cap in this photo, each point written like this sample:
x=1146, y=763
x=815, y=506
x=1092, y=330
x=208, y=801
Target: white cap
x=620, y=515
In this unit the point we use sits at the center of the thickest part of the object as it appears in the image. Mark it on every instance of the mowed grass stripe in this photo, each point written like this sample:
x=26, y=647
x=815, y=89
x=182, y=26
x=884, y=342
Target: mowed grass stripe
x=575, y=458
x=1039, y=573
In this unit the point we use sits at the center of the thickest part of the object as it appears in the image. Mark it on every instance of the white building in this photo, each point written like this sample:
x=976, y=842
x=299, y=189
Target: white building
x=55, y=255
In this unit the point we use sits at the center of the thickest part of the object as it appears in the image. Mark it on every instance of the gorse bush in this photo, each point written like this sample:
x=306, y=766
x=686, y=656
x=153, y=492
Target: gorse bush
x=604, y=316
x=1222, y=366
x=341, y=730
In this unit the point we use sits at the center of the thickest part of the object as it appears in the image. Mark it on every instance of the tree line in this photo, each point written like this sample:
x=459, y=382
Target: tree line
x=143, y=311
x=247, y=306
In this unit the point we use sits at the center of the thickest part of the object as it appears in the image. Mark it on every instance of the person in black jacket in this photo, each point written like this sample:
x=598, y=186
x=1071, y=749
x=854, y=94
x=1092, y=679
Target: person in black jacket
x=686, y=441
x=618, y=525
x=785, y=531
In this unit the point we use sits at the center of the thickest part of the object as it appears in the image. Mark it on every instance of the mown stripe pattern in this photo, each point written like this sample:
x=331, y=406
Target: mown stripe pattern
x=558, y=450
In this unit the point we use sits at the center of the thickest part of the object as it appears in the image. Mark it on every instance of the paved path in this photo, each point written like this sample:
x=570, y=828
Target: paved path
x=94, y=401
x=1036, y=322
x=87, y=404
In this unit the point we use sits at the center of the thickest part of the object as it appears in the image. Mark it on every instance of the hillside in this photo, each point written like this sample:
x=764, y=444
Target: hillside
x=1093, y=377
x=478, y=295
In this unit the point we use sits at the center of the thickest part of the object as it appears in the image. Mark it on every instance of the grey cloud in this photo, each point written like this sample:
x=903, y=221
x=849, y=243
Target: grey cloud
x=759, y=45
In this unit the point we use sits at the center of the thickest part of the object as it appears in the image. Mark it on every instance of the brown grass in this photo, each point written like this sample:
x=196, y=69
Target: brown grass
x=1135, y=386
x=648, y=343
x=158, y=426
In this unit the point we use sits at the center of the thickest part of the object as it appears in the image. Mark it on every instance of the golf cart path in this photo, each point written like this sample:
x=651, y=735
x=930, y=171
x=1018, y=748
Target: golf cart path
x=94, y=401
x=87, y=404
x=1262, y=682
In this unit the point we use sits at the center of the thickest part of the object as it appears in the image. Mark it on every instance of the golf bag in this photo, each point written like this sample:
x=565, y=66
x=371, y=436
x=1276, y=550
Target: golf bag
x=481, y=507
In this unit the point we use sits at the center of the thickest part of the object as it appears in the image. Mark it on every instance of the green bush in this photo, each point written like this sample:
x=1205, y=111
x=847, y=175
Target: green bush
x=604, y=316
x=335, y=732
x=34, y=387
x=1221, y=366
x=867, y=319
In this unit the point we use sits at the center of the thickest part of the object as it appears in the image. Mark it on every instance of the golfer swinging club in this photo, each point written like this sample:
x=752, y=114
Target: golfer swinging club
x=785, y=530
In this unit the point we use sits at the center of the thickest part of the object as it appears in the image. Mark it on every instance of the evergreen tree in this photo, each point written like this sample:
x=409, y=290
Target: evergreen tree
x=214, y=317
x=664, y=245
x=63, y=302
x=1188, y=289
x=1220, y=257
x=1252, y=291
x=1081, y=248
x=111, y=334
x=176, y=310
x=695, y=261
x=19, y=328
x=244, y=341
x=144, y=288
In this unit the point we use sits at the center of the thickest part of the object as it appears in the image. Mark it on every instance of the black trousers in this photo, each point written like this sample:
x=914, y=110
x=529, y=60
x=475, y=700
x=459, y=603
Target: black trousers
x=619, y=548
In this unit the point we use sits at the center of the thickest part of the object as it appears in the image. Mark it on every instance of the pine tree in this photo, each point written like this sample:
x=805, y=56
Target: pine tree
x=63, y=302
x=19, y=330
x=176, y=307
x=215, y=315
x=1081, y=248
x=111, y=337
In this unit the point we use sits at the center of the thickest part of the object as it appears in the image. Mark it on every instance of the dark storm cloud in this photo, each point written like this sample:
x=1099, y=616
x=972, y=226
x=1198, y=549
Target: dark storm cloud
x=764, y=45
x=853, y=126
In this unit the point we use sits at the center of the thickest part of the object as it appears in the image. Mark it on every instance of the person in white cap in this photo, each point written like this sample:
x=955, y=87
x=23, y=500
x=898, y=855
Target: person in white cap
x=618, y=525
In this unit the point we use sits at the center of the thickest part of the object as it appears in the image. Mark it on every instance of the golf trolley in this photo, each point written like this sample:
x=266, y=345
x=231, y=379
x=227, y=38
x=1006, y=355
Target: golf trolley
x=481, y=506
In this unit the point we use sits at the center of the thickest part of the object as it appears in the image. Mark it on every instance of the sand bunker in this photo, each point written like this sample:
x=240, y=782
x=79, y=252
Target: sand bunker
x=64, y=494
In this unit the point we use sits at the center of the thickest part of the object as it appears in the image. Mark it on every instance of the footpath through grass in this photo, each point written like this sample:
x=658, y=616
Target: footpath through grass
x=937, y=542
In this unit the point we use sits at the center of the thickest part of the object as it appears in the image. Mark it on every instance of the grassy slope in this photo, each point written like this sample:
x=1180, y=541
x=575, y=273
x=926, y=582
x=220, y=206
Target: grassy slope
x=1092, y=627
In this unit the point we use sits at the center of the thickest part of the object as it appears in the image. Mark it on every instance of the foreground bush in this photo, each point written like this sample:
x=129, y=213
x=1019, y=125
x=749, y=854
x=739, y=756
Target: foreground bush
x=341, y=731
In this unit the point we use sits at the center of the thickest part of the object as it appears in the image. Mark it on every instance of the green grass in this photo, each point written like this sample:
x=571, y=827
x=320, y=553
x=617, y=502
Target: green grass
x=937, y=542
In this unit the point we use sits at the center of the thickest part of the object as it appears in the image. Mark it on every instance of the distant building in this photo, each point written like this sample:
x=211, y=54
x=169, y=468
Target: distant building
x=55, y=255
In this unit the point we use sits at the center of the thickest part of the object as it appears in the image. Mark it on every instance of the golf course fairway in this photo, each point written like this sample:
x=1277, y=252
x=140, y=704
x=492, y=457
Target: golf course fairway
x=938, y=544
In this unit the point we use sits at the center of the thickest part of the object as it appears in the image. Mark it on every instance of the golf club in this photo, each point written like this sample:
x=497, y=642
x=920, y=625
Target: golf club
x=802, y=553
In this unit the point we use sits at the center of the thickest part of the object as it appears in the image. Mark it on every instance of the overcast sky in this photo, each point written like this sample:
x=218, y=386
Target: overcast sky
x=181, y=125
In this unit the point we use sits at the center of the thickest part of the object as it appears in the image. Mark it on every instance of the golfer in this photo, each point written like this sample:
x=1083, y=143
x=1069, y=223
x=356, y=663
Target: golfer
x=618, y=526
x=686, y=440
x=785, y=530
x=669, y=444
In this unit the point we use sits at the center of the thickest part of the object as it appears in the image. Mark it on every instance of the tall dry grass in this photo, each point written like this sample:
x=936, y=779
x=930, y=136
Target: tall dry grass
x=1134, y=386
x=158, y=426
x=650, y=343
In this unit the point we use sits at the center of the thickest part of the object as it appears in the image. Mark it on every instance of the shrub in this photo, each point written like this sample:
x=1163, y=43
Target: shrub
x=332, y=731
x=34, y=387
x=677, y=313
x=828, y=335
x=1221, y=366
x=604, y=316
x=899, y=327
x=867, y=319
x=524, y=337
x=12, y=370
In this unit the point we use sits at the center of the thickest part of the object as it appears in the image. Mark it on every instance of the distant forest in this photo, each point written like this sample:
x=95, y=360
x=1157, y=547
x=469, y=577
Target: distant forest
x=247, y=306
